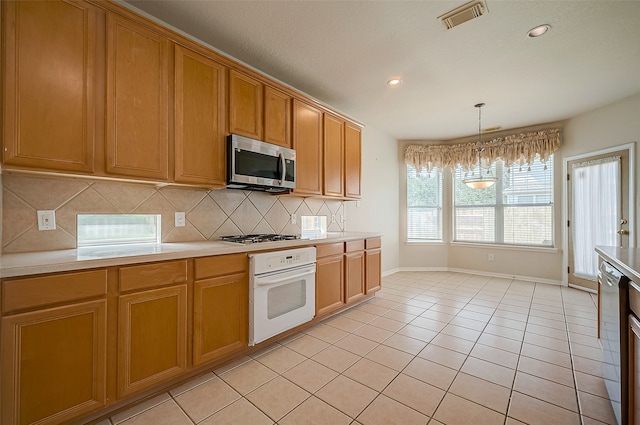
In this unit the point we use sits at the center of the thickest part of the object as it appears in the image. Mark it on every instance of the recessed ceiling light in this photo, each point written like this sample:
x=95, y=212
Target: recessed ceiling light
x=394, y=82
x=538, y=31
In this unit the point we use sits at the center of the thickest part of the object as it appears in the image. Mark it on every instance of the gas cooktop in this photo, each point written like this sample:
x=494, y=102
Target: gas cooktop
x=247, y=239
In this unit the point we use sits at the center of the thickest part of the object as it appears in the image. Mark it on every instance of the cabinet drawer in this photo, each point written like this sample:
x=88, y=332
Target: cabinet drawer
x=150, y=275
x=33, y=292
x=329, y=249
x=220, y=265
x=352, y=246
x=373, y=243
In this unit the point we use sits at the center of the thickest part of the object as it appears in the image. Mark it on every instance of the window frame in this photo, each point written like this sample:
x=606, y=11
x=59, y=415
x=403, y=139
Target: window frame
x=500, y=208
x=439, y=209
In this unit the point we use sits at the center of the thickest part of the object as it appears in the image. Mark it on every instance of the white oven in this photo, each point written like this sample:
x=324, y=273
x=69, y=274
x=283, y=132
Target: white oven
x=282, y=291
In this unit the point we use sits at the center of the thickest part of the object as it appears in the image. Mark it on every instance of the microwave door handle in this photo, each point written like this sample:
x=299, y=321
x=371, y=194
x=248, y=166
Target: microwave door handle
x=283, y=165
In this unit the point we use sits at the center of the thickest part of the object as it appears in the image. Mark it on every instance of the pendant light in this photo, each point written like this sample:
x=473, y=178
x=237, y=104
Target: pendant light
x=480, y=182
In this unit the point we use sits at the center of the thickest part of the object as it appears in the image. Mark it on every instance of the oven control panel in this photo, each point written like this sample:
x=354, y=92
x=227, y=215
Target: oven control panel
x=280, y=260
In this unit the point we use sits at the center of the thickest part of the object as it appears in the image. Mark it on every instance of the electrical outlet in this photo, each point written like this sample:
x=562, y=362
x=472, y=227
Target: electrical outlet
x=293, y=218
x=357, y=204
x=491, y=257
x=180, y=219
x=46, y=220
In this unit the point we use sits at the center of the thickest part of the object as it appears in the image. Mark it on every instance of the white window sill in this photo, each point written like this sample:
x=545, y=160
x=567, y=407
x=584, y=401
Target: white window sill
x=550, y=250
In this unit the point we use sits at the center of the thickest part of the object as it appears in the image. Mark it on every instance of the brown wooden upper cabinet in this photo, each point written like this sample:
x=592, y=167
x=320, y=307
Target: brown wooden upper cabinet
x=352, y=160
x=307, y=141
x=136, y=101
x=277, y=117
x=49, y=85
x=259, y=111
x=200, y=96
x=333, y=155
x=245, y=105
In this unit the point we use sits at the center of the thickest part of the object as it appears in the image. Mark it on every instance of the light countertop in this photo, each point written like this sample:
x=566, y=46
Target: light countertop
x=627, y=260
x=31, y=263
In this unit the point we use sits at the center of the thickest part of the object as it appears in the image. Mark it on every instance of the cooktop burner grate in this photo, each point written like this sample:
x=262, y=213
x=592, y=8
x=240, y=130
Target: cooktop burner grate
x=248, y=239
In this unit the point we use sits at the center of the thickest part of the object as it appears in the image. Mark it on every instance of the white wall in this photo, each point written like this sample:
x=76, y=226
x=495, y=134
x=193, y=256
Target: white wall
x=379, y=207
x=611, y=125
x=614, y=125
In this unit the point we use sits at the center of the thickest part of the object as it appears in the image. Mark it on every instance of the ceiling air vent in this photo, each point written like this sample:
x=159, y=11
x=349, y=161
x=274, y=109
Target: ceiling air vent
x=464, y=13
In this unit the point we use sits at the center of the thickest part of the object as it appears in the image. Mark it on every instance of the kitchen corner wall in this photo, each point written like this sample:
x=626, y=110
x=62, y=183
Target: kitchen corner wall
x=209, y=214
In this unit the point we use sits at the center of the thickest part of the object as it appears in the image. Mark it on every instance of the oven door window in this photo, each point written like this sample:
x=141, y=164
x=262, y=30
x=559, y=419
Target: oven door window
x=286, y=298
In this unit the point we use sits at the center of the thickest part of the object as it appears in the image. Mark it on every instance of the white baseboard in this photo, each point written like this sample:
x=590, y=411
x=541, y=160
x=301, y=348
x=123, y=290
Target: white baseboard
x=482, y=273
x=392, y=271
x=582, y=288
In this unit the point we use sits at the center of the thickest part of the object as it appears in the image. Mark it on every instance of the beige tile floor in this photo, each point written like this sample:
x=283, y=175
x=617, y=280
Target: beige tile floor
x=431, y=348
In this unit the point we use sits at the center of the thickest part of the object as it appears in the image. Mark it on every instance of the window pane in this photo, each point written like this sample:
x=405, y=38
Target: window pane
x=423, y=223
x=106, y=229
x=424, y=205
x=528, y=225
x=464, y=195
x=516, y=210
x=475, y=224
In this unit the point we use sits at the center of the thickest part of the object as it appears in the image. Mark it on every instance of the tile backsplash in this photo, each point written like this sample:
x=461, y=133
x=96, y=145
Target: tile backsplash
x=209, y=214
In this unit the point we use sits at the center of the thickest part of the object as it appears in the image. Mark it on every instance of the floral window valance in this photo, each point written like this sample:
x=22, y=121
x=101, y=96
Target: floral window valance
x=515, y=149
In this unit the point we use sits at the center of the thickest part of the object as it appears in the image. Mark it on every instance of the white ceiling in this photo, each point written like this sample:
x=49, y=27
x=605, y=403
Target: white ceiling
x=343, y=52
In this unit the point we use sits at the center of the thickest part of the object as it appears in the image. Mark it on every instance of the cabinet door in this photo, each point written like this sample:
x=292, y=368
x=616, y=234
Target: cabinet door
x=634, y=370
x=373, y=263
x=136, y=101
x=152, y=337
x=333, y=155
x=329, y=284
x=277, y=117
x=220, y=317
x=49, y=55
x=54, y=364
x=245, y=105
x=352, y=161
x=199, y=119
x=307, y=141
x=354, y=276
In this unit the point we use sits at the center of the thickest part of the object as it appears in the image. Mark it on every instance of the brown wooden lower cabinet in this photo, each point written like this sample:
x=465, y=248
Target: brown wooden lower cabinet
x=329, y=284
x=634, y=370
x=354, y=271
x=54, y=363
x=152, y=337
x=74, y=343
x=373, y=265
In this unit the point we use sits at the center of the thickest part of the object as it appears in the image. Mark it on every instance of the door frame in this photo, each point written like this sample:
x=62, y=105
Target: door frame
x=565, y=203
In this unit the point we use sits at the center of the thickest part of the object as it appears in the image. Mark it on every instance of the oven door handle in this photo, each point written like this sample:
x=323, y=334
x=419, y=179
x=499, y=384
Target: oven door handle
x=264, y=281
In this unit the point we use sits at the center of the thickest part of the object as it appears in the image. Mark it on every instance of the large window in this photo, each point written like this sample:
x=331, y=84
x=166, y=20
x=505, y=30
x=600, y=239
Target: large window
x=424, y=205
x=517, y=210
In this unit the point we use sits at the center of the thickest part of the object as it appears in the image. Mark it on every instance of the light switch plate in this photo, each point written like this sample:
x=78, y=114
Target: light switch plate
x=46, y=220
x=180, y=219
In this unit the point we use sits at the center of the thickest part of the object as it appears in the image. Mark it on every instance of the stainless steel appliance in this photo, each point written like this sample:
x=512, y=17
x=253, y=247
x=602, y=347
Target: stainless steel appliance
x=256, y=165
x=257, y=238
x=282, y=291
x=614, y=307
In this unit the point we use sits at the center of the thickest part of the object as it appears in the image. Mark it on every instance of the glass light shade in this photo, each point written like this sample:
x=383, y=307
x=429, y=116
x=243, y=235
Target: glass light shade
x=481, y=183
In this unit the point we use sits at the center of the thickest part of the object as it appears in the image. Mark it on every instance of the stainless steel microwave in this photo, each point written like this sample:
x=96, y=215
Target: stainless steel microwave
x=256, y=165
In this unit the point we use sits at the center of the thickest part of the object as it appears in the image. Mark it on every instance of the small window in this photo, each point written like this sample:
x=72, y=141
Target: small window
x=117, y=229
x=424, y=205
